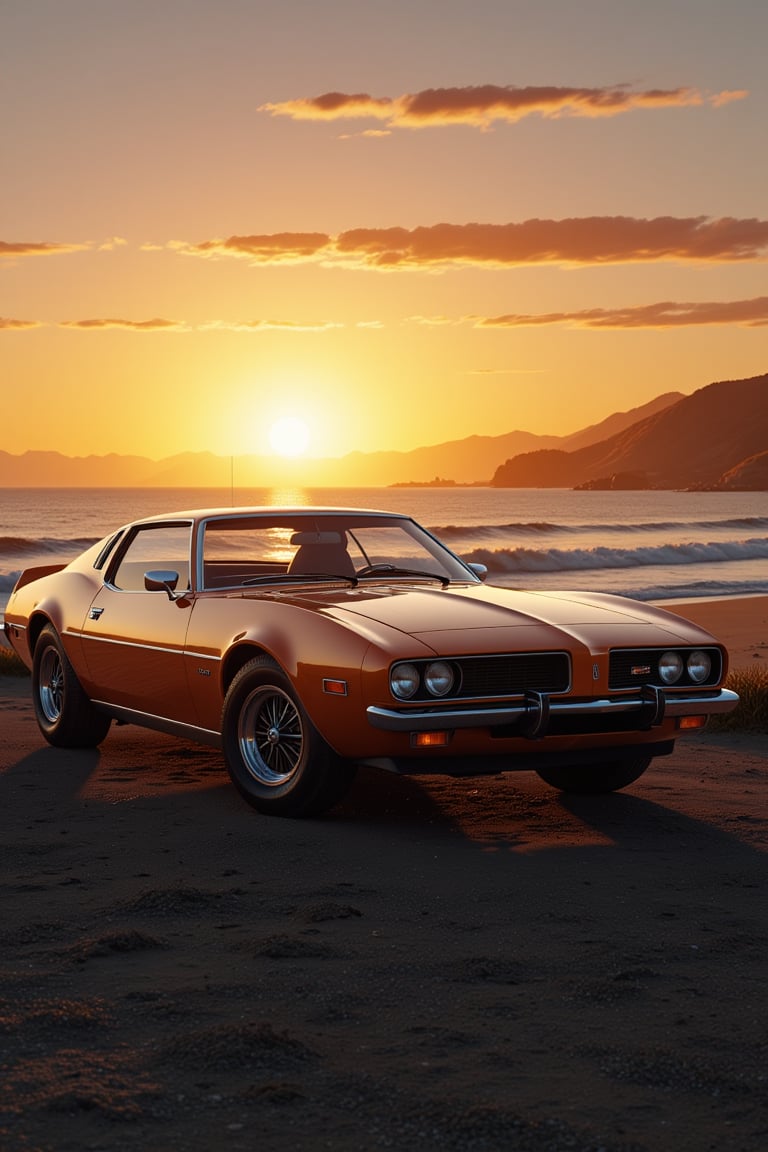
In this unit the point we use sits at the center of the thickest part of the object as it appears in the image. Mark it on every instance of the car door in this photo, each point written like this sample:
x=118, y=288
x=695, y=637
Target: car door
x=132, y=638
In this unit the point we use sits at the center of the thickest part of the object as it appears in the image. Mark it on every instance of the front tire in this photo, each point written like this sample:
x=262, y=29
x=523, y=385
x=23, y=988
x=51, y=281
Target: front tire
x=595, y=779
x=64, y=713
x=275, y=756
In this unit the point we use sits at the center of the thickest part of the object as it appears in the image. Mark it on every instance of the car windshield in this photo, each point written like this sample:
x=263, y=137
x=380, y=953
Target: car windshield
x=248, y=550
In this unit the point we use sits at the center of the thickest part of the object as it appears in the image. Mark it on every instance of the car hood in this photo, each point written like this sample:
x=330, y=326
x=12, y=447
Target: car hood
x=471, y=619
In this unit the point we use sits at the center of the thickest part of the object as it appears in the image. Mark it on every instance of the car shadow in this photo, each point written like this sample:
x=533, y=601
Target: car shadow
x=57, y=773
x=518, y=813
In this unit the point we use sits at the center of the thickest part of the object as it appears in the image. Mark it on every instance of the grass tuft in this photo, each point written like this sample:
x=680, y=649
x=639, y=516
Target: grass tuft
x=751, y=683
x=10, y=665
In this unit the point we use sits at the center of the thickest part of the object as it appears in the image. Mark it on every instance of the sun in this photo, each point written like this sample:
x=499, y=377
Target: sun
x=289, y=436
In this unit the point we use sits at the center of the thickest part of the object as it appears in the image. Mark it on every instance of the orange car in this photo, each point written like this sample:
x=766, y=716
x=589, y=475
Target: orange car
x=306, y=641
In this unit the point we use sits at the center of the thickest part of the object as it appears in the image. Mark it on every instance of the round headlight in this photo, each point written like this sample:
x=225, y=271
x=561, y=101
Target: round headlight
x=438, y=678
x=670, y=667
x=404, y=681
x=699, y=666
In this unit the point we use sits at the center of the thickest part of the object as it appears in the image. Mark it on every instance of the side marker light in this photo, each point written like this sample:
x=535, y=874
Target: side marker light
x=692, y=722
x=430, y=739
x=335, y=687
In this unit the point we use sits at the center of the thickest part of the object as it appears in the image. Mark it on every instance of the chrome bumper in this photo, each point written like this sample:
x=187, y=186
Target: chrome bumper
x=536, y=709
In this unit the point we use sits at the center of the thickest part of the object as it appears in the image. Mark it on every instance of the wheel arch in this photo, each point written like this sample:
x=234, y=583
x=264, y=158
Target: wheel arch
x=237, y=657
x=37, y=622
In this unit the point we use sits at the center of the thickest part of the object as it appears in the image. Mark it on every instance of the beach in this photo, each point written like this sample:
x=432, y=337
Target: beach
x=472, y=965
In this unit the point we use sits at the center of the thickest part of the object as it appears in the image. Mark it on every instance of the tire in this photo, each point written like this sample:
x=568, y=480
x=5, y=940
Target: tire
x=64, y=713
x=595, y=779
x=276, y=758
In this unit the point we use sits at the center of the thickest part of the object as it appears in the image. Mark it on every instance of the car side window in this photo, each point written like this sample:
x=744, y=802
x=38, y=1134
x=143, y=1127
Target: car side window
x=165, y=546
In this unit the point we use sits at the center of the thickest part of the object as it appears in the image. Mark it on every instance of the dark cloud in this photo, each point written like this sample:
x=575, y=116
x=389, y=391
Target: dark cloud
x=155, y=325
x=278, y=247
x=585, y=240
x=481, y=105
x=39, y=248
x=667, y=314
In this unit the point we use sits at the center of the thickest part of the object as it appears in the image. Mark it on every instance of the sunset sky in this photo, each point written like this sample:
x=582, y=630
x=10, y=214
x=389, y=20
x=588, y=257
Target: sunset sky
x=394, y=224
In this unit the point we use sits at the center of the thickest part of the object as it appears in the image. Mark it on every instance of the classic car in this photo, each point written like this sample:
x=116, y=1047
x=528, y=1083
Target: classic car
x=303, y=642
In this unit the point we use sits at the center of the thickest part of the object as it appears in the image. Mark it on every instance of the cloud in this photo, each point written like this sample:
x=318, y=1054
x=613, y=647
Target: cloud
x=508, y=371
x=155, y=325
x=269, y=326
x=9, y=325
x=111, y=243
x=277, y=248
x=481, y=105
x=577, y=241
x=24, y=248
x=667, y=314
x=430, y=321
x=588, y=240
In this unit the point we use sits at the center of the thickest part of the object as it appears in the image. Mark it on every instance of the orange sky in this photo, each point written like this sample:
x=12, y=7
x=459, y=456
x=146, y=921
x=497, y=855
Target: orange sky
x=402, y=223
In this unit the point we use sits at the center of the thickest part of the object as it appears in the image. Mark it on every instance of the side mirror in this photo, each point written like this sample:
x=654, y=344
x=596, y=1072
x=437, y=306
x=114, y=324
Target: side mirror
x=161, y=580
x=479, y=570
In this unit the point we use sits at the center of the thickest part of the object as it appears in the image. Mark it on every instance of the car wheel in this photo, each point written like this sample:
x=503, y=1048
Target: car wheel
x=64, y=713
x=594, y=779
x=275, y=756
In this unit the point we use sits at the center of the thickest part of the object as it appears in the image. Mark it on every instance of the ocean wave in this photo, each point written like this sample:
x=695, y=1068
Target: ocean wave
x=505, y=560
x=544, y=528
x=7, y=581
x=704, y=589
x=29, y=546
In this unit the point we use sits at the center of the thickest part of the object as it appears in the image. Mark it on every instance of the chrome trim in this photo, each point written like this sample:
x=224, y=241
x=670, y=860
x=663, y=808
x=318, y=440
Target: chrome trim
x=427, y=720
x=148, y=647
x=126, y=643
x=160, y=723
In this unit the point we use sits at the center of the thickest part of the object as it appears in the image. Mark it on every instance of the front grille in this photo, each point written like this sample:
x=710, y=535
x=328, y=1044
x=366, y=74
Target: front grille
x=514, y=674
x=634, y=667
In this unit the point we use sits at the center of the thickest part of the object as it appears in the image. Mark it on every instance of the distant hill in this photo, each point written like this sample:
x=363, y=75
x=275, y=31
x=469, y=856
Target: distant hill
x=472, y=460
x=616, y=423
x=694, y=442
x=749, y=476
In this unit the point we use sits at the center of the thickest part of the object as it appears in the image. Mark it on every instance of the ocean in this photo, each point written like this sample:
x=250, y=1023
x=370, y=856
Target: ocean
x=648, y=545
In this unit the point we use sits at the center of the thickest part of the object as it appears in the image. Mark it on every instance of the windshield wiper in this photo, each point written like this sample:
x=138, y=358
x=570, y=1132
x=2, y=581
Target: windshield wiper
x=394, y=570
x=295, y=578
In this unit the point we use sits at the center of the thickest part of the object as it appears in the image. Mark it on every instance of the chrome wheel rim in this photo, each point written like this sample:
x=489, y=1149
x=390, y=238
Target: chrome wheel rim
x=51, y=685
x=270, y=736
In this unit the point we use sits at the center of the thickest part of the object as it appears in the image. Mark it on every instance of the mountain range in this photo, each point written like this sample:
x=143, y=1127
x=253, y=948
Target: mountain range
x=468, y=461
x=715, y=438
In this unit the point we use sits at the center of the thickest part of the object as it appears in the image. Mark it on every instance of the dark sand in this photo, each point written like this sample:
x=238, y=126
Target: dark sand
x=445, y=965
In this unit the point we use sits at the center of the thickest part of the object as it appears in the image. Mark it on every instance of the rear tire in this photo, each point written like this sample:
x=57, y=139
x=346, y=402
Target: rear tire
x=595, y=779
x=64, y=713
x=275, y=756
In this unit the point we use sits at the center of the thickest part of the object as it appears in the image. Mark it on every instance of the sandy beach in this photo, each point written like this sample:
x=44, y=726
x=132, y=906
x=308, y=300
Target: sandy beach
x=472, y=965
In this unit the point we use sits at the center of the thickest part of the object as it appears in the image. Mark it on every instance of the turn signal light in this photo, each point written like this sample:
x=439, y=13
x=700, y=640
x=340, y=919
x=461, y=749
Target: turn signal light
x=691, y=722
x=430, y=739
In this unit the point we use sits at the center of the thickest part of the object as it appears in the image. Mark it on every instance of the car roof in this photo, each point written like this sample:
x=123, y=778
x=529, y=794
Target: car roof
x=198, y=514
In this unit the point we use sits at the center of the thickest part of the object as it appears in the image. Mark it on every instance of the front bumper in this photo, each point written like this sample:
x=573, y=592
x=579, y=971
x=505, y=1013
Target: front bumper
x=534, y=712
